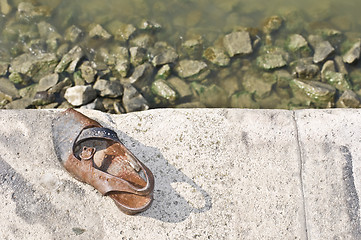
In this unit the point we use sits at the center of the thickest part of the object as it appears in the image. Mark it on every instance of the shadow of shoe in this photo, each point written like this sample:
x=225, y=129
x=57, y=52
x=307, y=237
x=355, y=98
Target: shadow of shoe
x=176, y=195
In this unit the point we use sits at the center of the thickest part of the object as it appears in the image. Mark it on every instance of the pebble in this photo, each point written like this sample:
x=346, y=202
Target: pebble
x=80, y=95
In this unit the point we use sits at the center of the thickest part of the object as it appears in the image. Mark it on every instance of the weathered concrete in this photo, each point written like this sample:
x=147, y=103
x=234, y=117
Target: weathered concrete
x=220, y=174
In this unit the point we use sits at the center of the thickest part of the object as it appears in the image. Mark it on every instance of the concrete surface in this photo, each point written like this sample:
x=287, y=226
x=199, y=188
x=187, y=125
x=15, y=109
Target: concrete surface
x=220, y=174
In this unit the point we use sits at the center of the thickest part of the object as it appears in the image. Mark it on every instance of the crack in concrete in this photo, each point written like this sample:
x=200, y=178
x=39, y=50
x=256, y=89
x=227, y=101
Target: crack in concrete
x=304, y=223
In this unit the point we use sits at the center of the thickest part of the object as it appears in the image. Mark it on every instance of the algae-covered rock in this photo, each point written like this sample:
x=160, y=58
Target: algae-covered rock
x=321, y=93
x=161, y=88
x=237, y=43
x=338, y=80
x=243, y=99
x=34, y=66
x=349, y=99
x=19, y=78
x=192, y=69
x=80, y=95
x=217, y=56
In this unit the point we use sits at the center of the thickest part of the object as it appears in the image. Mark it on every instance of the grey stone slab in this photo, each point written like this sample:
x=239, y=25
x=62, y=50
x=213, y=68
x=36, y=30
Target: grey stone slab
x=220, y=174
x=331, y=166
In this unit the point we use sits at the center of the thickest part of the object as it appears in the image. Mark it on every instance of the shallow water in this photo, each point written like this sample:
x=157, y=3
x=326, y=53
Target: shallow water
x=211, y=19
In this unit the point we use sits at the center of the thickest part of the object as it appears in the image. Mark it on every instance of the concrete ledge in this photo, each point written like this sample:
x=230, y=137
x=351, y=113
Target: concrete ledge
x=220, y=174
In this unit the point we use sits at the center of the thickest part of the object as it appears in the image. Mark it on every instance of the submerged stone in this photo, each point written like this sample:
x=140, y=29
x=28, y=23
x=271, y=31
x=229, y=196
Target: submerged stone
x=80, y=95
x=163, y=54
x=319, y=92
x=349, y=99
x=192, y=69
x=138, y=55
x=8, y=90
x=5, y=7
x=142, y=40
x=257, y=84
x=305, y=69
x=192, y=48
x=21, y=103
x=271, y=61
x=121, y=31
x=27, y=11
x=211, y=96
x=237, y=43
x=272, y=24
x=163, y=72
x=4, y=66
x=162, y=89
x=97, y=31
x=322, y=51
x=243, y=99
x=217, y=56
x=180, y=86
x=353, y=53
x=73, y=34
